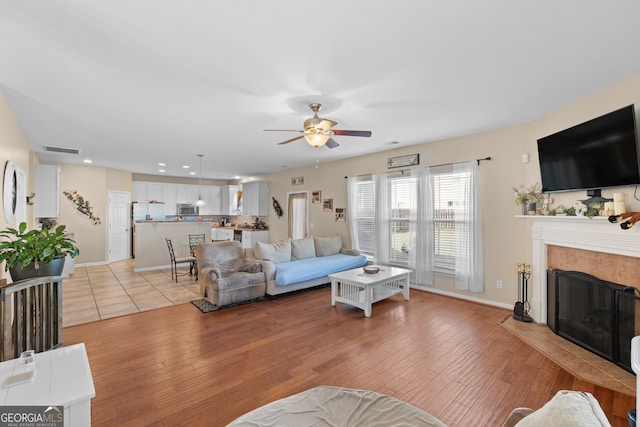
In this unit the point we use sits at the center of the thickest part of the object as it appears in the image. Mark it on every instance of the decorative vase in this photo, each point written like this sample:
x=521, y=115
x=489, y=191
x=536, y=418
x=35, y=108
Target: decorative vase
x=525, y=209
x=54, y=268
x=532, y=208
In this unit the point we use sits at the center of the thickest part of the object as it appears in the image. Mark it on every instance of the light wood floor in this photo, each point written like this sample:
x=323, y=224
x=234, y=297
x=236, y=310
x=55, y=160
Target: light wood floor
x=105, y=291
x=452, y=358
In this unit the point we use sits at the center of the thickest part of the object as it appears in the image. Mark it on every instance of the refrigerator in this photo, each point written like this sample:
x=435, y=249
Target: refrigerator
x=148, y=211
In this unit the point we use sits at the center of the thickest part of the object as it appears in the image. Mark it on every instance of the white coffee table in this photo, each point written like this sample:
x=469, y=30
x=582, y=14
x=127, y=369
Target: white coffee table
x=359, y=289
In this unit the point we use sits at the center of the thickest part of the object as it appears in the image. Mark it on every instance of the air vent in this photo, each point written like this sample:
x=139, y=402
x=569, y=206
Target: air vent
x=62, y=150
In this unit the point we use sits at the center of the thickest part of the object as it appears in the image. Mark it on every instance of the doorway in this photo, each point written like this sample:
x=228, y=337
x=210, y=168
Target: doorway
x=119, y=225
x=298, y=210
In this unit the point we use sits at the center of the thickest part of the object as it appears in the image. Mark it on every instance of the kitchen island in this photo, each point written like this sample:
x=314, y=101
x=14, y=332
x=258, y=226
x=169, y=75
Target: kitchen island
x=150, y=246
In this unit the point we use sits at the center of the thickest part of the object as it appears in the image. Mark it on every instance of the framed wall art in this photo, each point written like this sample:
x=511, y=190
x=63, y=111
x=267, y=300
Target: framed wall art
x=327, y=205
x=403, y=161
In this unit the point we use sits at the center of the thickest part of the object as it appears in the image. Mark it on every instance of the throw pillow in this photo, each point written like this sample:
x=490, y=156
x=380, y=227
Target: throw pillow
x=274, y=252
x=328, y=245
x=302, y=248
x=567, y=408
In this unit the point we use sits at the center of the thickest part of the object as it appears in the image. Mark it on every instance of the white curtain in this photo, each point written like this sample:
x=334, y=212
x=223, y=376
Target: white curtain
x=421, y=251
x=382, y=219
x=297, y=215
x=352, y=208
x=468, y=230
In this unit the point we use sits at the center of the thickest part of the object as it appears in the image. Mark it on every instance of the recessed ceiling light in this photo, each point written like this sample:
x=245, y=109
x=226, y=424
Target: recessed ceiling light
x=236, y=177
x=87, y=161
x=192, y=173
x=161, y=170
x=185, y=167
x=162, y=164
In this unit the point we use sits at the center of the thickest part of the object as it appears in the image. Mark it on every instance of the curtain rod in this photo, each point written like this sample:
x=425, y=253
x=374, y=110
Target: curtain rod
x=431, y=166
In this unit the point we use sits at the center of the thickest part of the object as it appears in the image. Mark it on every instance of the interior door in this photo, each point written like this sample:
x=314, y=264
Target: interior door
x=119, y=225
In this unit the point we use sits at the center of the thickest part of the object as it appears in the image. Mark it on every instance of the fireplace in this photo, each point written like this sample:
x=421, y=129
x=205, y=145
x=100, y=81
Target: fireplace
x=617, y=253
x=593, y=313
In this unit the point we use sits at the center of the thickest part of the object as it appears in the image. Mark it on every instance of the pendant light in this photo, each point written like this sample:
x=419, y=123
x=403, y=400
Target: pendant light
x=200, y=202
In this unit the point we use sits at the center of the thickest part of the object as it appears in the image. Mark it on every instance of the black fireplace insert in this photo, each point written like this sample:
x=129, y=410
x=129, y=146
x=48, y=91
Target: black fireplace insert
x=593, y=313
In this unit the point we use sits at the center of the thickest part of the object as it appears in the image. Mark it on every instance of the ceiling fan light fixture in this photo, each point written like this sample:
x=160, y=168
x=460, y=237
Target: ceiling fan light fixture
x=317, y=139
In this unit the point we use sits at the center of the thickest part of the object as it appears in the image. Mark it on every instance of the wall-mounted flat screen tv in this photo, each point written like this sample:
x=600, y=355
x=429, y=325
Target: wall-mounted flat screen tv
x=600, y=153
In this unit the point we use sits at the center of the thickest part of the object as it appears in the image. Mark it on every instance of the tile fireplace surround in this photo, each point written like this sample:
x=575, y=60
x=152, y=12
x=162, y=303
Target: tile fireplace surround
x=594, y=246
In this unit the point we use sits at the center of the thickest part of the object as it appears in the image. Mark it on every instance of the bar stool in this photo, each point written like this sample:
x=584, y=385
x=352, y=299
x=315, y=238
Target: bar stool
x=191, y=260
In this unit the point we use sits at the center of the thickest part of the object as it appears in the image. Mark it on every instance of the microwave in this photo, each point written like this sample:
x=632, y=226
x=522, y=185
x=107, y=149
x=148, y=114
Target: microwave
x=187, y=209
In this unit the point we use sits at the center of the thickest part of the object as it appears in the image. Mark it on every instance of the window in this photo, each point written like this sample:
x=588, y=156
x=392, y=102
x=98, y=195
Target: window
x=363, y=215
x=449, y=222
x=446, y=196
x=403, y=199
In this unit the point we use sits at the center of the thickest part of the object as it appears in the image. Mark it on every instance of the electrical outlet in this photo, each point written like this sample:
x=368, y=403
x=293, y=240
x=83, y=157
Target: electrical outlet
x=499, y=284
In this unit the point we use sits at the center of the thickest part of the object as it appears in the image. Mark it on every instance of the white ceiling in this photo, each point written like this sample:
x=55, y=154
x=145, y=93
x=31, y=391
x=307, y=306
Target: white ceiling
x=131, y=83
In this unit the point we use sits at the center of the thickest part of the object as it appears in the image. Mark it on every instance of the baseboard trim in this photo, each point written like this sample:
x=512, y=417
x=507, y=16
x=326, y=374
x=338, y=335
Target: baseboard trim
x=464, y=297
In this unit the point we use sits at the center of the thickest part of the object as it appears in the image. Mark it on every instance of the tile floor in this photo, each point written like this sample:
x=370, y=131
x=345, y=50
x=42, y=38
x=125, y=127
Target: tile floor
x=104, y=291
x=575, y=359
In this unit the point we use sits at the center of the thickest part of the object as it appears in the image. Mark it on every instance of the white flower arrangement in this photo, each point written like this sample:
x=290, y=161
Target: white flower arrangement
x=528, y=195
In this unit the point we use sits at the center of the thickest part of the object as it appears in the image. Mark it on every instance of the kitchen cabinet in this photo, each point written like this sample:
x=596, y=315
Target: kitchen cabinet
x=229, y=200
x=255, y=198
x=221, y=234
x=211, y=195
x=169, y=198
x=171, y=194
x=47, y=189
x=250, y=237
x=187, y=193
x=146, y=191
x=214, y=202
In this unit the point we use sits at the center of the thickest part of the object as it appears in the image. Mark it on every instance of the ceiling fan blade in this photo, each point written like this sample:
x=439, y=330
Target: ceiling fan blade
x=331, y=143
x=291, y=140
x=326, y=124
x=366, y=133
x=281, y=130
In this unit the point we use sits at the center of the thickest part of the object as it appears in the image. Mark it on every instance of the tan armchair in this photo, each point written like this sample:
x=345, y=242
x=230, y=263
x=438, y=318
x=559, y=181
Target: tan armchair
x=226, y=276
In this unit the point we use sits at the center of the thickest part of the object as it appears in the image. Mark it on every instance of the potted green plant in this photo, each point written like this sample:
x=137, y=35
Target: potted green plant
x=32, y=253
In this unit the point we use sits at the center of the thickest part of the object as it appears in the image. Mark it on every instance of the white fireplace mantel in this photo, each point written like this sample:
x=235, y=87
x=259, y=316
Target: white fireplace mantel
x=596, y=234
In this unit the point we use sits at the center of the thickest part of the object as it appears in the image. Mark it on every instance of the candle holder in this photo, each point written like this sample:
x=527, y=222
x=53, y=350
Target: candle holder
x=521, y=308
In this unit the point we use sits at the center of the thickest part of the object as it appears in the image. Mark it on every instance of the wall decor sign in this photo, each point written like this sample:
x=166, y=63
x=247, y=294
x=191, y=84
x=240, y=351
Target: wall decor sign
x=315, y=197
x=403, y=161
x=340, y=215
x=327, y=205
x=299, y=180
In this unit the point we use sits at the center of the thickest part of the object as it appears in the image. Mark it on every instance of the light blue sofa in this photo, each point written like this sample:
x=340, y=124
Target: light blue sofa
x=296, y=264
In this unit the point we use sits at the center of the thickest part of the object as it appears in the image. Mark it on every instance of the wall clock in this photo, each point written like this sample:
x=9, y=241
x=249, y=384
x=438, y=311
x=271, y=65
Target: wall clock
x=10, y=191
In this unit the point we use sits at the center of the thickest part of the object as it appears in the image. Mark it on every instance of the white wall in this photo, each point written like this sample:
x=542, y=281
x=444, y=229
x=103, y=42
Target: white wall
x=13, y=147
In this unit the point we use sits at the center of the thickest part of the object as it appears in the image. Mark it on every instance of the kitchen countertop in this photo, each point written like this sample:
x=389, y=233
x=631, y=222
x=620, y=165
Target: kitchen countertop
x=170, y=220
x=240, y=228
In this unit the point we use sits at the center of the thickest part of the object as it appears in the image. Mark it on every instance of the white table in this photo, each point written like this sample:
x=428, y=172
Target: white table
x=360, y=289
x=62, y=378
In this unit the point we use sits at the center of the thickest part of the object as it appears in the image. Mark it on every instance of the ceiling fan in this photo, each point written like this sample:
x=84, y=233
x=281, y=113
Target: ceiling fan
x=317, y=131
